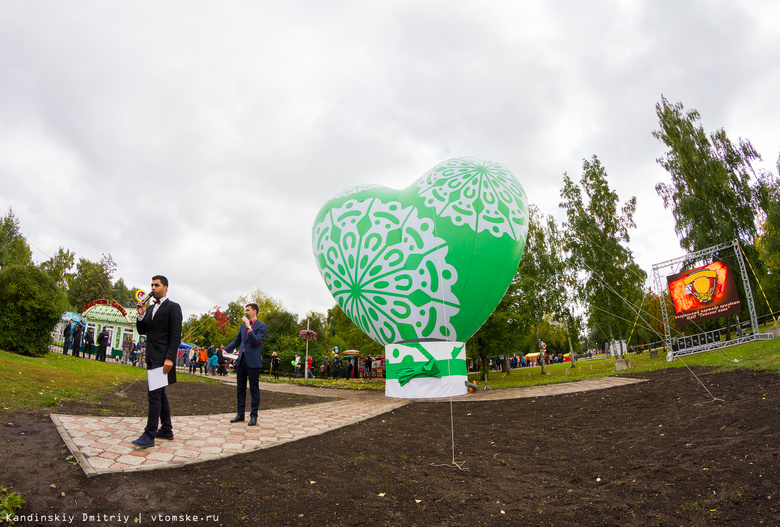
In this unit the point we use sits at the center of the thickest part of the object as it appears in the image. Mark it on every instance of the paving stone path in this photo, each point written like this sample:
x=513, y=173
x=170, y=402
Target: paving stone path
x=103, y=445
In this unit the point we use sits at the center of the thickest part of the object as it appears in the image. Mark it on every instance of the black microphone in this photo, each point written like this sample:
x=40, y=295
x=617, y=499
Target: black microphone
x=146, y=300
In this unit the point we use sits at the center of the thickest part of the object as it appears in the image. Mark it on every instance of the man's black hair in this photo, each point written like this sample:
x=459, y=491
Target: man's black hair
x=161, y=278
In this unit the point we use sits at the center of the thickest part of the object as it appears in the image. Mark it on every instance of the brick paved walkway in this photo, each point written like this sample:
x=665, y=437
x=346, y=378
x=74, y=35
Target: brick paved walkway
x=103, y=445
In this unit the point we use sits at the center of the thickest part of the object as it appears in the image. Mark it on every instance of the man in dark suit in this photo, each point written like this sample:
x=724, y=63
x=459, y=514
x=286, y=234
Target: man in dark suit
x=89, y=341
x=66, y=338
x=160, y=321
x=77, y=333
x=103, y=340
x=250, y=360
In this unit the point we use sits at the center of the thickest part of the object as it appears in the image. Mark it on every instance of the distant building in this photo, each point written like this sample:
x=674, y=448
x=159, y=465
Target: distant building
x=99, y=314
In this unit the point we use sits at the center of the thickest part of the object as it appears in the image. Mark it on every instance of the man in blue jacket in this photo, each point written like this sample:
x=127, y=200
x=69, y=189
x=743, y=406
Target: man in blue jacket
x=249, y=362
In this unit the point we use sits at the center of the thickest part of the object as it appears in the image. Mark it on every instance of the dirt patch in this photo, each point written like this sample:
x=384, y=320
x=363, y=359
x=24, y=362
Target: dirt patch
x=187, y=398
x=656, y=453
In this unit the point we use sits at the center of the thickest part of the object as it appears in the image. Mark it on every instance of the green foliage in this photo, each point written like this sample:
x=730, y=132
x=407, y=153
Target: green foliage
x=542, y=281
x=204, y=331
x=353, y=337
x=710, y=195
x=58, y=267
x=125, y=296
x=10, y=503
x=267, y=304
x=596, y=230
x=336, y=341
x=768, y=245
x=30, y=307
x=280, y=322
x=13, y=247
x=92, y=281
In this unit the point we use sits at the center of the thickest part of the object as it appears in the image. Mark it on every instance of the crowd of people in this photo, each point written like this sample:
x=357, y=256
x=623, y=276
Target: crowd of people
x=334, y=366
x=211, y=360
x=79, y=341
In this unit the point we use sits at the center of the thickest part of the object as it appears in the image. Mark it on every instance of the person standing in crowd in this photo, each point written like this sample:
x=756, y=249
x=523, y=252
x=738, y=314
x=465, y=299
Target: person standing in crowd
x=142, y=349
x=103, y=341
x=311, y=367
x=161, y=322
x=66, y=338
x=134, y=355
x=213, y=361
x=297, y=365
x=127, y=348
x=336, y=365
x=192, y=361
x=221, y=360
x=325, y=367
x=202, y=358
x=249, y=362
x=210, y=352
x=89, y=341
x=78, y=332
x=367, y=368
x=275, y=364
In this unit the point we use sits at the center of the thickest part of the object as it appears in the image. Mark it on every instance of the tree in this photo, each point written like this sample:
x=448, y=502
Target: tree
x=267, y=304
x=92, y=281
x=768, y=243
x=501, y=332
x=342, y=327
x=280, y=322
x=31, y=305
x=58, y=267
x=710, y=195
x=125, y=296
x=541, y=282
x=235, y=311
x=204, y=331
x=595, y=233
x=13, y=247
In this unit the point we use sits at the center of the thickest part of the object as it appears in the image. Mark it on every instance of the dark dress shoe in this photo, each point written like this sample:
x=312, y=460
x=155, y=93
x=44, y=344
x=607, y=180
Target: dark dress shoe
x=237, y=419
x=253, y=421
x=144, y=441
x=162, y=435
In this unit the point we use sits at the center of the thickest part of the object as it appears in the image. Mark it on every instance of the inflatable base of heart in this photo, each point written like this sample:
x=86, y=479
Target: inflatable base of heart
x=426, y=370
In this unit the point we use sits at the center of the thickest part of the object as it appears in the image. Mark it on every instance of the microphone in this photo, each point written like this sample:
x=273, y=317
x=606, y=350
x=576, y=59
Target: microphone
x=146, y=298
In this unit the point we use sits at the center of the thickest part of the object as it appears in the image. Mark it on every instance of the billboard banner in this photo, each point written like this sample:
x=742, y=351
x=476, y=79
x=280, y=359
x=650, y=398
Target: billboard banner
x=704, y=293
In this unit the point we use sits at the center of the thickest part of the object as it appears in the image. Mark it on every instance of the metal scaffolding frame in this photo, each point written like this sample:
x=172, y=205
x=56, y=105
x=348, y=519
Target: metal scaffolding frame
x=707, y=254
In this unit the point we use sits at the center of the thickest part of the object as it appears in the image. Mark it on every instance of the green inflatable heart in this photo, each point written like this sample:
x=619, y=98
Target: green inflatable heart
x=431, y=261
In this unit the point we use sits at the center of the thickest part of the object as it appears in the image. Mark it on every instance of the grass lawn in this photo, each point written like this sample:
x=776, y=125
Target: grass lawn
x=33, y=382
x=760, y=355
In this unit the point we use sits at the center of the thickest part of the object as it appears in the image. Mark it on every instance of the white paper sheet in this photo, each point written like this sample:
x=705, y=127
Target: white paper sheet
x=156, y=378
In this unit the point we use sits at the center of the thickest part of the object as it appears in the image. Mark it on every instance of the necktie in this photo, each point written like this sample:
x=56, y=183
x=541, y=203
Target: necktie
x=156, y=303
x=243, y=347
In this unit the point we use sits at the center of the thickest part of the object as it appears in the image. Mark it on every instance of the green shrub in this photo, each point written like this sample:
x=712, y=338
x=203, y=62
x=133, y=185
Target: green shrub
x=31, y=305
x=10, y=503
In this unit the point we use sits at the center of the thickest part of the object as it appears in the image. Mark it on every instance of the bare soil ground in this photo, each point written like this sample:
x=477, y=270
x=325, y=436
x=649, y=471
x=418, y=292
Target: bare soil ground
x=656, y=453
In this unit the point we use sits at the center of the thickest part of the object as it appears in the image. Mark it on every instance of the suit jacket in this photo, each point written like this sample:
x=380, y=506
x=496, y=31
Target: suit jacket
x=163, y=334
x=249, y=344
x=103, y=337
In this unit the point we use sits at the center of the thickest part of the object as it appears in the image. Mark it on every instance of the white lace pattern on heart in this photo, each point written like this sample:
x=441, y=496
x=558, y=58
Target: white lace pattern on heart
x=387, y=270
x=478, y=193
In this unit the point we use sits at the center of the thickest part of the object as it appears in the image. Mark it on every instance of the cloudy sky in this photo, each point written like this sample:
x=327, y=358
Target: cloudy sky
x=199, y=139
